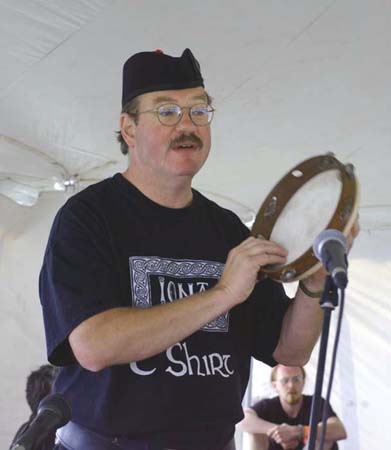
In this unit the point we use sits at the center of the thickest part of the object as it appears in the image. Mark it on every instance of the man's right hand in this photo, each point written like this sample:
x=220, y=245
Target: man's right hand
x=288, y=436
x=243, y=264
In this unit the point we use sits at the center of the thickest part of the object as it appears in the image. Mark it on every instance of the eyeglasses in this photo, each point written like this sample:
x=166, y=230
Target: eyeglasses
x=170, y=114
x=295, y=380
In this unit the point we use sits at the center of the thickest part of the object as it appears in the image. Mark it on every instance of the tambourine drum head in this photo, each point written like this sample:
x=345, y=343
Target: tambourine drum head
x=307, y=213
x=317, y=194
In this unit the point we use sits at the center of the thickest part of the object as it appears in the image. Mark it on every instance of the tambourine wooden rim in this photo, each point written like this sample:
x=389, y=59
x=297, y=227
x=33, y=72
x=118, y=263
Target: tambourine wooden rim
x=342, y=219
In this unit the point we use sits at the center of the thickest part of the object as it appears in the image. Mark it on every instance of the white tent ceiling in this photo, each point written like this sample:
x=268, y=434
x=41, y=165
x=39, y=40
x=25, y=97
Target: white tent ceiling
x=290, y=80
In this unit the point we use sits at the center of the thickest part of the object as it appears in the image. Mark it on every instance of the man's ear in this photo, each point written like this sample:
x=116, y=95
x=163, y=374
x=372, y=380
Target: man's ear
x=274, y=385
x=128, y=129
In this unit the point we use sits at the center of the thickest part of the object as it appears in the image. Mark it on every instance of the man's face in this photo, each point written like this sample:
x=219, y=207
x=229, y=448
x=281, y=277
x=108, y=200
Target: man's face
x=289, y=384
x=164, y=152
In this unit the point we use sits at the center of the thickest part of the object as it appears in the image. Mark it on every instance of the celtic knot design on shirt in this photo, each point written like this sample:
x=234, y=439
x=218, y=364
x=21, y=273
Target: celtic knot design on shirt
x=176, y=279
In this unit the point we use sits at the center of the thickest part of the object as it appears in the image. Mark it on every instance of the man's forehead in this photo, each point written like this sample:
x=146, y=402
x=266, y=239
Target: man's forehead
x=283, y=371
x=176, y=96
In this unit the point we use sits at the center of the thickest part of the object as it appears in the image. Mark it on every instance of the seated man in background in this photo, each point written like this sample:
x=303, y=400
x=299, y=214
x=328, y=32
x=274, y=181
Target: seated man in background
x=282, y=422
x=38, y=386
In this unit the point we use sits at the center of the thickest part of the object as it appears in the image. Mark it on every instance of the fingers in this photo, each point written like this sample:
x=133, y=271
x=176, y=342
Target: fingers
x=261, y=252
x=284, y=434
x=243, y=265
x=356, y=228
x=271, y=431
x=259, y=246
x=353, y=233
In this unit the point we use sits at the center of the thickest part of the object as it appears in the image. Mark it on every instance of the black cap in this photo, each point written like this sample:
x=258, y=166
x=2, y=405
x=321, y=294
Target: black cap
x=155, y=71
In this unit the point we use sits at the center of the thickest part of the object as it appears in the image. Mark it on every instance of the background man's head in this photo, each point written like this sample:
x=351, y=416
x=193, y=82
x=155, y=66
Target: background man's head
x=39, y=385
x=288, y=381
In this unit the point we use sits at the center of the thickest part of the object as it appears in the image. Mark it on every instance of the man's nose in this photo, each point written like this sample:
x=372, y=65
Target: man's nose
x=185, y=121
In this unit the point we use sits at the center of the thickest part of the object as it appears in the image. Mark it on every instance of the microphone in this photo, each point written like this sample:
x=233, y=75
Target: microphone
x=53, y=412
x=330, y=247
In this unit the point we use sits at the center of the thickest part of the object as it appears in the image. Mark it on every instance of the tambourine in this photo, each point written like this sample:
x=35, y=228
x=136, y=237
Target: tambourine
x=318, y=193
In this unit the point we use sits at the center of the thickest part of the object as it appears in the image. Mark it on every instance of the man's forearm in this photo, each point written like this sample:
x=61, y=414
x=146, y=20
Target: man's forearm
x=335, y=430
x=254, y=424
x=124, y=335
x=300, y=331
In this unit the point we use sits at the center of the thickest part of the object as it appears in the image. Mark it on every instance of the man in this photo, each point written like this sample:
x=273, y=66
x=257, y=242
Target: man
x=147, y=287
x=282, y=422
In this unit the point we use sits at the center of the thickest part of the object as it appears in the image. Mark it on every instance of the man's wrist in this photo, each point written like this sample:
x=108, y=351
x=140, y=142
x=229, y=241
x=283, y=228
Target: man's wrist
x=310, y=292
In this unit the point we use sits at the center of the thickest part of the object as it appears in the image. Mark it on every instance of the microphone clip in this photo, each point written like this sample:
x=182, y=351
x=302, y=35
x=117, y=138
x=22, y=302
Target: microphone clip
x=329, y=297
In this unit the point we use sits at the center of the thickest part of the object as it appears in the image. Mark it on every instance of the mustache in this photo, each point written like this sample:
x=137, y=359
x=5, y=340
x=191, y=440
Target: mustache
x=185, y=138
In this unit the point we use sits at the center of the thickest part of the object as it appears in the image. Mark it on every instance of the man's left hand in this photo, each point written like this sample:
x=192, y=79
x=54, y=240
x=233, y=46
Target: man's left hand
x=285, y=435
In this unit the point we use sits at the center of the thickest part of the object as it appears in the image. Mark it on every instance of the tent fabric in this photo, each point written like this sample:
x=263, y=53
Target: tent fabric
x=290, y=80
x=31, y=30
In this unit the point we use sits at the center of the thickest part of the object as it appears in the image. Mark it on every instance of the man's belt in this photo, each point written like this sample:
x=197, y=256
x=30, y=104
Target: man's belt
x=76, y=437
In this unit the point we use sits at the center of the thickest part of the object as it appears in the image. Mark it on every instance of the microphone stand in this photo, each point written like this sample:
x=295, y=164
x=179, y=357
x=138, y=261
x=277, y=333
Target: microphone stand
x=328, y=302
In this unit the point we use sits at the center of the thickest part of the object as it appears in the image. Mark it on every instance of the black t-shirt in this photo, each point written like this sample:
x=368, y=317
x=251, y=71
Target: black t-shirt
x=110, y=246
x=270, y=409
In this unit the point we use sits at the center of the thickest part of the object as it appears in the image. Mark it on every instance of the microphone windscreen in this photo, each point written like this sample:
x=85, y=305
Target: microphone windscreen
x=57, y=404
x=327, y=236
